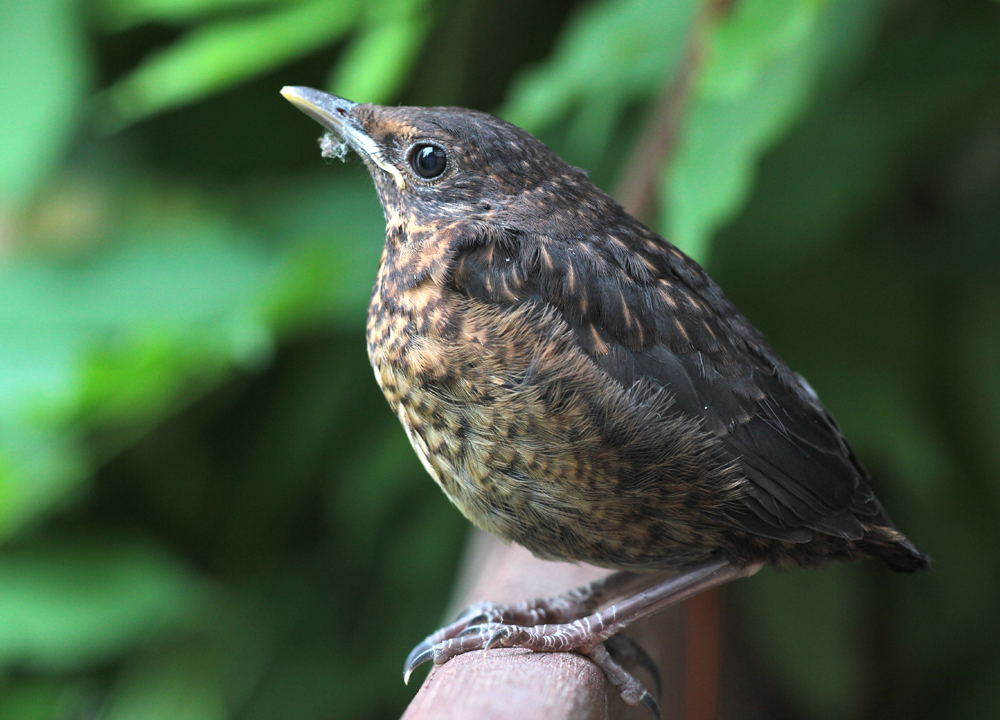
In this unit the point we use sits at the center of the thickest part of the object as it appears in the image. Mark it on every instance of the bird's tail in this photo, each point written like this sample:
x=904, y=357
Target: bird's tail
x=894, y=549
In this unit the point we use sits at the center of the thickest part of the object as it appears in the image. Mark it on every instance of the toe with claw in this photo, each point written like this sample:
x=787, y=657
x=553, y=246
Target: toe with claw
x=474, y=615
x=630, y=654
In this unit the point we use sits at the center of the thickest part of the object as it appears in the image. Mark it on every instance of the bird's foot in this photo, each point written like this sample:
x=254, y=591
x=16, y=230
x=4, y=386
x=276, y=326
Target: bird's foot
x=572, y=605
x=568, y=623
x=526, y=614
x=587, y=636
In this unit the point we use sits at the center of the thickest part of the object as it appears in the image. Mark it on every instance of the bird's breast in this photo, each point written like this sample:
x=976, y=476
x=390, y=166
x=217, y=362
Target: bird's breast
x=527, y=436
x=412, y=352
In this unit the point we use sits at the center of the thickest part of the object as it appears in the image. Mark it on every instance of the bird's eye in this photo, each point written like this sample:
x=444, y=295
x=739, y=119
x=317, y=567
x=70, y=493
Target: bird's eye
x=428, y=161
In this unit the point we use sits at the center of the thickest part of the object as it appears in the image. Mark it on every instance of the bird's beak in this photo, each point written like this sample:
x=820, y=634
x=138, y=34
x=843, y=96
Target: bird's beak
x=334, y=113
x=330, y=111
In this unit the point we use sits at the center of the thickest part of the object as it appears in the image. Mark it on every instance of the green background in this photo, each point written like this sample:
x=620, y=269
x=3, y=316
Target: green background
x=207, y=509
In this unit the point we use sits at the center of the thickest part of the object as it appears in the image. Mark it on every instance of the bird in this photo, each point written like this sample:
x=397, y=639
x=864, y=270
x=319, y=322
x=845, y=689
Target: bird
x=579, y=386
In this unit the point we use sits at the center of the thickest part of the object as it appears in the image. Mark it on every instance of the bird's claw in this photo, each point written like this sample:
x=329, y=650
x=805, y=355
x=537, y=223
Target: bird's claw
x=470, y=614
x=654, y=708
x=482, y=618
x=498, y=637
x=474, y=616
x=417, y=657
x=471, y=630
x=433, y=647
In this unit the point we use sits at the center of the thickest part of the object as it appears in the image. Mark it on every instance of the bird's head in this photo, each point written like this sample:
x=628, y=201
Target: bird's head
x=440, y=164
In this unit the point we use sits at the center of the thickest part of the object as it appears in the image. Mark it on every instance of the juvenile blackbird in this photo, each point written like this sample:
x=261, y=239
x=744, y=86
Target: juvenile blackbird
x=578, y=385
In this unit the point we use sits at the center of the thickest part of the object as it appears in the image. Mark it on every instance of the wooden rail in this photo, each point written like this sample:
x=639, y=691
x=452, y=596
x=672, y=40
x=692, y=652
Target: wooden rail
x=512, y=684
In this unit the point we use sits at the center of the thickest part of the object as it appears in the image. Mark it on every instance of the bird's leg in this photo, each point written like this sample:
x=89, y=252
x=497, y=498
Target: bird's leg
x=565, y=607
x=584, y=634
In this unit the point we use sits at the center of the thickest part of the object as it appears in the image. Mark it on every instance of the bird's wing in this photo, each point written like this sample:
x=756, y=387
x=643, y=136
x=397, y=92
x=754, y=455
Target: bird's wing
x=645, y=313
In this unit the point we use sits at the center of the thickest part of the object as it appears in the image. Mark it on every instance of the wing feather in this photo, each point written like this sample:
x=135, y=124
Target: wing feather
x=645, y=313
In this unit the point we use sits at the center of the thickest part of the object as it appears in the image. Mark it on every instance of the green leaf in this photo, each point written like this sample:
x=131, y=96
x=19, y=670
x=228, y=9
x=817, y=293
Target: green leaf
x=118, y=337
x=44, y=73
x=376, y=63
x=764, y=61
x=67, y=603
x=610, y=53
x=40, y=467
x=757, y=34
x=217, y=56
x=55, y=316
x=118, y=15
x=339, y=227
x=130, y=333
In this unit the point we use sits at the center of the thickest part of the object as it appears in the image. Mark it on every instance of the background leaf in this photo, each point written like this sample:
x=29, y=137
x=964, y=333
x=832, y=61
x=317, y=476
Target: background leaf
x=220, y=55
x=45, y=73
x=85, y=599
x=124, y=14
x=376, y=62
x=611, y=54
x=763, y=62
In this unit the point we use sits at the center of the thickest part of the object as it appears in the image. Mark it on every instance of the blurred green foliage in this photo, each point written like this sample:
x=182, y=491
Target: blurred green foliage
x=206, y=508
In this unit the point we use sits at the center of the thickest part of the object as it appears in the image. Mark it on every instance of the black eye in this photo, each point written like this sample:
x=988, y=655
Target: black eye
x=428, y=161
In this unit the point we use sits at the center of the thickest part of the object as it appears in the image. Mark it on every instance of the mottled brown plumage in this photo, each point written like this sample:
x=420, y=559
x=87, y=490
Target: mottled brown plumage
x=575, y=383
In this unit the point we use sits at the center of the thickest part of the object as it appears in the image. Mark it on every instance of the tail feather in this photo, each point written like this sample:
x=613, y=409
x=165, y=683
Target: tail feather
x=895, y=550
